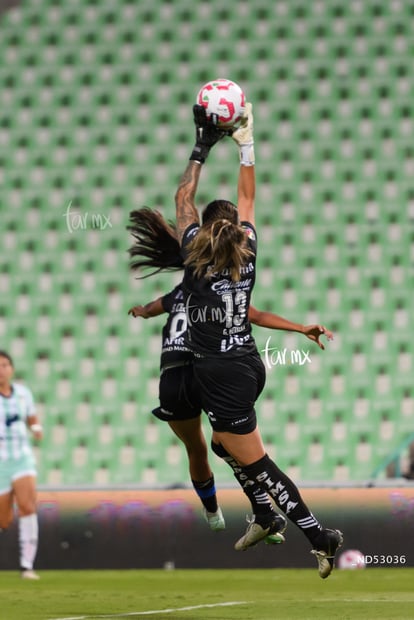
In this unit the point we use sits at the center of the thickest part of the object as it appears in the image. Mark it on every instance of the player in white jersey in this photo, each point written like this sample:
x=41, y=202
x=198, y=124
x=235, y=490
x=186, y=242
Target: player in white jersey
x=18, y=420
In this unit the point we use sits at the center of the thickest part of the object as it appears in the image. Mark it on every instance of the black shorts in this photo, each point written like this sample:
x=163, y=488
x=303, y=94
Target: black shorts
x=229, y=390
x=178, y=394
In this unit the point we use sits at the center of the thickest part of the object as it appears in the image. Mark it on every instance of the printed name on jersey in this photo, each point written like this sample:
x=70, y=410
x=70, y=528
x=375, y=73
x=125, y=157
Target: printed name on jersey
x=249, y=268
x=233, y=330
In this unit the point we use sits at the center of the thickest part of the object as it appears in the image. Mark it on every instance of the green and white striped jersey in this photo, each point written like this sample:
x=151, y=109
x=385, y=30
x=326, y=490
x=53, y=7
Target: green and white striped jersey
x=14, y=411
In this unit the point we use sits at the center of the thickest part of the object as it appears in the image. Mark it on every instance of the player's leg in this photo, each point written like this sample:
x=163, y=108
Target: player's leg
x=24, y=488
x=6, y=495
x=228, y=393
x=180, y=407
x=190, y=432
x=262, y=507
x=231, y=413
x=256, y=465
x=6, y=508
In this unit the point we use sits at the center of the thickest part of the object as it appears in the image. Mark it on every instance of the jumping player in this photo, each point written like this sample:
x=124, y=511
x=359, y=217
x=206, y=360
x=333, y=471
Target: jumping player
x=156, y=247
x=220, y=256
x=179, y=397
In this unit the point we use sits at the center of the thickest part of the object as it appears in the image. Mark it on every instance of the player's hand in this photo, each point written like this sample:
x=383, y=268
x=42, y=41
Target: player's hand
x=208, y=133
x=38, y=435
x=314, y=332
x=243, y=135
x=137, y=311
x=37, y=431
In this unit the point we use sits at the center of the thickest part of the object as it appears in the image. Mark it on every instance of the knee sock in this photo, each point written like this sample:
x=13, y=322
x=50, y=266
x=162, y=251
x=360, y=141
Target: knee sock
x=28, y=539
x=259, y=499
x=285, y=493
x=206, y=491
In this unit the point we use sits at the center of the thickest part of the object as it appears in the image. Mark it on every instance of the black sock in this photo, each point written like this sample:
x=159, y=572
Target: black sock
x=206, y=491
x=285, y=493
x=259, y=499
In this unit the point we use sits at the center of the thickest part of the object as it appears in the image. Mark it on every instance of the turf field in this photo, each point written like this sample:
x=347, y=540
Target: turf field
x=380, y=594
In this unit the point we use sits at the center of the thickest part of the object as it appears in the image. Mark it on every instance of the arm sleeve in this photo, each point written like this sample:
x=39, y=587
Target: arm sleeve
x=251, y=235
x=189, y=234
x=167, y=300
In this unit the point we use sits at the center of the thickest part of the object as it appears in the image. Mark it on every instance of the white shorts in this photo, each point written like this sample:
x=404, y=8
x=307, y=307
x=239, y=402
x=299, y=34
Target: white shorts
x=13, y=469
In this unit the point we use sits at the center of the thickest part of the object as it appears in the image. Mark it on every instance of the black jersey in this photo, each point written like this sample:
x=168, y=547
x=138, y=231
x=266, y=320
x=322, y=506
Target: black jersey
x=217, y=308
x=174, y=348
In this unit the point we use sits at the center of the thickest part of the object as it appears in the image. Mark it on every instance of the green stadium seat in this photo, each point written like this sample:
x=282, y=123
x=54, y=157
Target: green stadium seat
x=89, y=103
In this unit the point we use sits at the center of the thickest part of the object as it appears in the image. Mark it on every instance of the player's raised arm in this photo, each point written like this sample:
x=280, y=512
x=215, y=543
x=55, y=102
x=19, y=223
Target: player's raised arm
x=207, y=134
x=246, y=189
x=186, y=211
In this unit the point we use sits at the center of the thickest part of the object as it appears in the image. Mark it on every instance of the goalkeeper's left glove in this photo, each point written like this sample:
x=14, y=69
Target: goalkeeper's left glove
x=243, y=136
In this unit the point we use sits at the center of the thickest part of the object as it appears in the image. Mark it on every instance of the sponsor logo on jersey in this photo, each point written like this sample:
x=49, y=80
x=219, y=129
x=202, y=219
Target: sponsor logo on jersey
x=249, y=232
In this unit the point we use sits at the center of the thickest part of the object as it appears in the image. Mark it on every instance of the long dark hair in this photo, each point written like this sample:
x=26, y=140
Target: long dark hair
x=220, y=210
x=156, y=245
x=221, y=242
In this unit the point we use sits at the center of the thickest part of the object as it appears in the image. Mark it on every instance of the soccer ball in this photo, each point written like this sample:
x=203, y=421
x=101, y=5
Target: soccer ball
x=224, y=98
x=351, y=559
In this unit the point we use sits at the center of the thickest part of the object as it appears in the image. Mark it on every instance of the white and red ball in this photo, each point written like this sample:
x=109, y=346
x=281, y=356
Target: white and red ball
x=224, y=98
x=351, y=559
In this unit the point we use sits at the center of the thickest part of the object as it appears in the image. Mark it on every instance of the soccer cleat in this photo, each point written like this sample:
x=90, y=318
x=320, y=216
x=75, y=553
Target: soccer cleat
x=326, y=545
x=29, y=574
x=272, y=533
x=274, y=539
x=215, y=520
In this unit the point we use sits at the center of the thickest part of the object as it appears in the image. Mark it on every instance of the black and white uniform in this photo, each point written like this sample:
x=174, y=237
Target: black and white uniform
x=227, y=365
x=178, y=395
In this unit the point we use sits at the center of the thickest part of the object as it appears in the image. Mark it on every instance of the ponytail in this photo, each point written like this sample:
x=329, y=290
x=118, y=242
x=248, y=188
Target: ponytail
x=218, y=245
x=156, y=245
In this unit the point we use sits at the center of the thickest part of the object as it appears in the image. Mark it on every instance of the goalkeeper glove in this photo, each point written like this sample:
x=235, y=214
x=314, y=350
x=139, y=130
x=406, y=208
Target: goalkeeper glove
x=243, y=136
x=207, y=133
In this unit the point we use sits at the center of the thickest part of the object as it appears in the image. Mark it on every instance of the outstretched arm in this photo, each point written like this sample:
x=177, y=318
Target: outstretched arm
x=273, y=321
x=207, y=134
x=246, y=189
x=153, y=308
x=186, y=211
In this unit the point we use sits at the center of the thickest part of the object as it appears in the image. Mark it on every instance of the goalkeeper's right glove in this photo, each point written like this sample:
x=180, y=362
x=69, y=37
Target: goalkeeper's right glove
x=207, y=133
x=243, y=136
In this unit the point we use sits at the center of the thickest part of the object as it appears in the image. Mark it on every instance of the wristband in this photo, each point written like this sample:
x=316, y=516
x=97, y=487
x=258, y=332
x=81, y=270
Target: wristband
x=247, y=154
x=36, y=428
x=199, y=154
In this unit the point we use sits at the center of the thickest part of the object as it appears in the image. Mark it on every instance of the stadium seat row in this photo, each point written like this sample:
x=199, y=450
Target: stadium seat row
x=95, y=120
